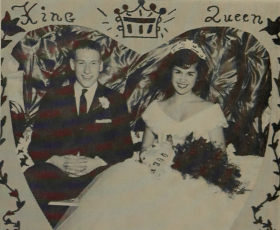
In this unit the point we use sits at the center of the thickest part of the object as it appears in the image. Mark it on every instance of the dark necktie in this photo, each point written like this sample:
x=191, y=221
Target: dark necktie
x=83, y=102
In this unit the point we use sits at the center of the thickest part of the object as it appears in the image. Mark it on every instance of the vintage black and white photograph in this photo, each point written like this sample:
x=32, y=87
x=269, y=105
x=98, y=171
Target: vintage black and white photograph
x=190, y=117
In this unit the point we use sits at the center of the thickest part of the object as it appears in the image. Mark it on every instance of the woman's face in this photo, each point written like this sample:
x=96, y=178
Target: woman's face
x=184, y=80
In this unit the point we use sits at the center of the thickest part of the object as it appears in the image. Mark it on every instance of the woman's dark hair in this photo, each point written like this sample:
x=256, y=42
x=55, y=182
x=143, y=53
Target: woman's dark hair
x=183, y=58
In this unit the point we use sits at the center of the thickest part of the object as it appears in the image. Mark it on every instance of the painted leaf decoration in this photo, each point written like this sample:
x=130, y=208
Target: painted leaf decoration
x=9, y=27
x=268, y=224
x=20, y=204
x=1, y=164
x=3, y=81
x=255, y=209
x=274, y=145
x=7, y=17
x=269, y=197
x=276, y=127
x=276, y=41
x=277, y=81
x=8, y=221
x=17, y=225
x=277, y=161
x=10, y=213
x=3, y=121
x=4, y=43
x=4, y=179
x=272, y=28
x=2, y=141
x=14, y=193
x=3, y=99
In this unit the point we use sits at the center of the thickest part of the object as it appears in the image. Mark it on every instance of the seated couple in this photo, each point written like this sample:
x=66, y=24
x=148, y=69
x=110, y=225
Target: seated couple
x=183, y=167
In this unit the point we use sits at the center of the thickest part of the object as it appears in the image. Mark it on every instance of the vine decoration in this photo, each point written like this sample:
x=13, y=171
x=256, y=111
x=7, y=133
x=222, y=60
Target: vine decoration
x=270, y=197
x=273, y=28
x=3, y=100
x=9, y=28
x=13, y=193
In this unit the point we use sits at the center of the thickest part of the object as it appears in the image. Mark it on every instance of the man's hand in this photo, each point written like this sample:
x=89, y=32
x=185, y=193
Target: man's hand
x=83, y=166
x=76, y=166
x=58, y=161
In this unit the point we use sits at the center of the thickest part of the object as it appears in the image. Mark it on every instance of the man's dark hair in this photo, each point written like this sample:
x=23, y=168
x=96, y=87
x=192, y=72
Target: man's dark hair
x=85, y=44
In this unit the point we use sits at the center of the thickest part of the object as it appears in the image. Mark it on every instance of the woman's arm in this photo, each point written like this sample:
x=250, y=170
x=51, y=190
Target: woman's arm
x=148, y=139
x=217, y=138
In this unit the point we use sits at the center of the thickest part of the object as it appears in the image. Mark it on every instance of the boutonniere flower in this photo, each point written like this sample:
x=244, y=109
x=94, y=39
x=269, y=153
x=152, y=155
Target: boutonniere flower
x=104, y=102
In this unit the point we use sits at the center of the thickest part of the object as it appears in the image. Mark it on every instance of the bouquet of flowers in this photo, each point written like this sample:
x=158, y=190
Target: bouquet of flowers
x=199, y=158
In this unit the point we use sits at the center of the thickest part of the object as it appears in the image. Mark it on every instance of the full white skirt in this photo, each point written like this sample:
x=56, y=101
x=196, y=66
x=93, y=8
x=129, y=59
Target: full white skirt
x=128, y=197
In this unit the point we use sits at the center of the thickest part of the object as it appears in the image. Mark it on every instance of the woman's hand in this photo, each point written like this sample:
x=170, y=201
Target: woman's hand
x=159, y=159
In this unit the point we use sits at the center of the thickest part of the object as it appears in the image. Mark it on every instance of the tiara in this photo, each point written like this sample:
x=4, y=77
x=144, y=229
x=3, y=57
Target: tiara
x=188, y=44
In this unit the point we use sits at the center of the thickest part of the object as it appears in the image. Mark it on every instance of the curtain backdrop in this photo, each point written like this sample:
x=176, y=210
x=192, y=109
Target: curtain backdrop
x=239, y=78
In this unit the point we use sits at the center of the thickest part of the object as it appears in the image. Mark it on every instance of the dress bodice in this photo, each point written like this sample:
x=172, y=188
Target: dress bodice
x=199, y=124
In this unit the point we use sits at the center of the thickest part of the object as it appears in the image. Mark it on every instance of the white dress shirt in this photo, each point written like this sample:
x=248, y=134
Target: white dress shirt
x=88, y=95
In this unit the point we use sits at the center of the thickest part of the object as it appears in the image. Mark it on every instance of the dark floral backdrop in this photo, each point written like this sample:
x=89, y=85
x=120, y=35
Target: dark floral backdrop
x=239, y=78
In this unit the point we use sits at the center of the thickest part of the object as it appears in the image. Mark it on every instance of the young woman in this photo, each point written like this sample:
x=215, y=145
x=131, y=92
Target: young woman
x=150, y=194
x=187, y=71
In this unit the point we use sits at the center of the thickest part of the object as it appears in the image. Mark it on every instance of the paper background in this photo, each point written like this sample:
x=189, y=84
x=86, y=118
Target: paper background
x=189, y=15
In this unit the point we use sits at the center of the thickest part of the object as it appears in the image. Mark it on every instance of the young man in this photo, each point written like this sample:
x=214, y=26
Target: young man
x=80, y=130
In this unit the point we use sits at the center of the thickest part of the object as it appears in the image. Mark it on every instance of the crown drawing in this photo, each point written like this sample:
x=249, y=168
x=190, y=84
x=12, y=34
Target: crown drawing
x=140, y=22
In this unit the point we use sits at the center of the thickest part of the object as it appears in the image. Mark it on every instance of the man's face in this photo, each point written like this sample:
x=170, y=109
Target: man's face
x=87, y=66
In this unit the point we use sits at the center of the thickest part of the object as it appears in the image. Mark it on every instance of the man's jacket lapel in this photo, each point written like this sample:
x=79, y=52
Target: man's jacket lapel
x=96, y=111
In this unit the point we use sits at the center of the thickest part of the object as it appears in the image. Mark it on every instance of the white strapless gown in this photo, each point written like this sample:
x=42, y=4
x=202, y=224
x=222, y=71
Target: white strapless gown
x=128, y=197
